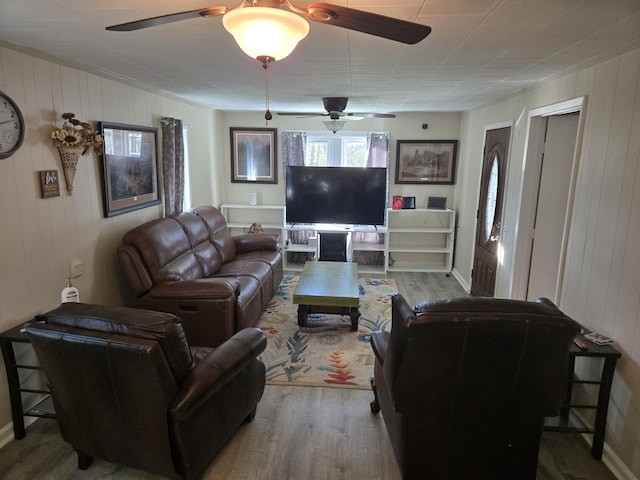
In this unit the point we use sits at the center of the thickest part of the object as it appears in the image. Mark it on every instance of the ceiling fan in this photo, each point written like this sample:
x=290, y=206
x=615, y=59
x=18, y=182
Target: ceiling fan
x=266, y=31
x=335, y=107
x=352, y=19
x=335, y=110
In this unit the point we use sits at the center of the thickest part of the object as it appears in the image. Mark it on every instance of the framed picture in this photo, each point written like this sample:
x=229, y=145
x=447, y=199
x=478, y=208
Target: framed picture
x=130, y=168
x=426, y=161
x=49, y=183
x=253, y=155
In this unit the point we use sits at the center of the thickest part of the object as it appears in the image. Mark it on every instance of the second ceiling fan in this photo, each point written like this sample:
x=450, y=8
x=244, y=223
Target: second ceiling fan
x=335, y=110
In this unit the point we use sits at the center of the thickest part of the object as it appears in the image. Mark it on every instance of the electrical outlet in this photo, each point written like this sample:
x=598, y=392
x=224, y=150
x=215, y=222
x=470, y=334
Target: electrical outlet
x=76, y=268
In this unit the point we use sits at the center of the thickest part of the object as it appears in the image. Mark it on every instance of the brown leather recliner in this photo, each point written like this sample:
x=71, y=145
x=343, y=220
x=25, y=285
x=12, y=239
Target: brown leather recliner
x=128, y=388
x=464, y=385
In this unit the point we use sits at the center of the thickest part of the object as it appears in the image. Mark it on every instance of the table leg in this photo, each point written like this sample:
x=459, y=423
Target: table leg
x=354, y=313
x=13, y=381
x=303, y=311
x=608, y=370
x=564, y=411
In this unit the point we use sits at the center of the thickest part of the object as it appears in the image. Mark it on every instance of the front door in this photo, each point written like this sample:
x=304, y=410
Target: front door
x=492, y=182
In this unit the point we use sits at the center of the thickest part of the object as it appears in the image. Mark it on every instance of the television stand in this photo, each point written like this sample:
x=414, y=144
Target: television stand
x=334, y=246
x=420, y=240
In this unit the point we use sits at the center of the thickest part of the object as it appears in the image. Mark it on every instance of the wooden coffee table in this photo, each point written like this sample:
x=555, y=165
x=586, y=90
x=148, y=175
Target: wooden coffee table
x=328, y=287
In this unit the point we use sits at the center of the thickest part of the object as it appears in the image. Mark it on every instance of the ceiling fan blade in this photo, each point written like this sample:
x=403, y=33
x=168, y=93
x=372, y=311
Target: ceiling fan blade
x=373, y=115
x=170, y=18
x=302, y=114
x=366, y=22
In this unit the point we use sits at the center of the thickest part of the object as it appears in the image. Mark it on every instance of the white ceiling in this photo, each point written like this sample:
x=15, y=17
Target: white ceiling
x=478, y=51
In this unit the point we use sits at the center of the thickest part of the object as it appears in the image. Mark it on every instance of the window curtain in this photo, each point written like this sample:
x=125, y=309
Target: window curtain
x=293, y=147
x=378, y=150
x=172, y=165
x=377, y=156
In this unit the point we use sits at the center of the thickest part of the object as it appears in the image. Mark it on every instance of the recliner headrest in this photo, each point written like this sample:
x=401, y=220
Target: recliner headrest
x=164, y=328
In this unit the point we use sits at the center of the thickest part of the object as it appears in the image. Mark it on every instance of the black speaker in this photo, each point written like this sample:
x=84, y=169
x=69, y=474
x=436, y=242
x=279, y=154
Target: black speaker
x=333, y=247
x=408, y=202
x=439, y=203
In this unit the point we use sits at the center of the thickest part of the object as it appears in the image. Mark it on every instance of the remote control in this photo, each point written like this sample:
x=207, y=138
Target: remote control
x=580, y=344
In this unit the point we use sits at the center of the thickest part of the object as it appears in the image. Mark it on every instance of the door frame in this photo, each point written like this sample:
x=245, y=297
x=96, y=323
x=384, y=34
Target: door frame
x=532, y=164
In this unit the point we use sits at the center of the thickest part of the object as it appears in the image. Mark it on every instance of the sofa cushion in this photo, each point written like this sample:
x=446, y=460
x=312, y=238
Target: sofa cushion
x=256, y=242
x=166, y=250
x=219, y=234
x=198, y=235
x=247, y=267
x=248, y=302
x=163, y=328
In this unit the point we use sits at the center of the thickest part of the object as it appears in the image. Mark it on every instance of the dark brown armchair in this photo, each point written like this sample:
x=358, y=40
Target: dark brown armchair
x=464, y=385
x=128, y=388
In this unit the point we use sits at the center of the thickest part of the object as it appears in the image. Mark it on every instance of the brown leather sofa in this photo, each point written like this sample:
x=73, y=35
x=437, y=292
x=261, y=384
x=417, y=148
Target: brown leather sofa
x=464, y=385
x=128, y=388
x=190, y=265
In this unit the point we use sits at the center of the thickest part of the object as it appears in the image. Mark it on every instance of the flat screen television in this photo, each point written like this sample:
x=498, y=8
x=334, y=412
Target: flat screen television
x=336, y=195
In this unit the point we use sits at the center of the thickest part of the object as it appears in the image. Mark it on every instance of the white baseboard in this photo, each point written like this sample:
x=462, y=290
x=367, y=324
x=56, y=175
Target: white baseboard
x=461, y=281
x=613, y=463
x=6, y=434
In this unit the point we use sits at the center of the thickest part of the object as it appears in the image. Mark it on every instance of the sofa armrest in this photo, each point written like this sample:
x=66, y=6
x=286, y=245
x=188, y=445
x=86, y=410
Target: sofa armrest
x=215, y=370
x=134, y=269
x=255, y=242
x=201, y=288
x=379, y=344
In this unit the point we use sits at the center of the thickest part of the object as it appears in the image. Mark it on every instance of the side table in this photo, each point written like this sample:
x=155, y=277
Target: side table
x=44, y=408
x=561, y=423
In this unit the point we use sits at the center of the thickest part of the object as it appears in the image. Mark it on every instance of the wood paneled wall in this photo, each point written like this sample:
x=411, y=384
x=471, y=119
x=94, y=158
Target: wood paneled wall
x=39, y=237
x=601, y=286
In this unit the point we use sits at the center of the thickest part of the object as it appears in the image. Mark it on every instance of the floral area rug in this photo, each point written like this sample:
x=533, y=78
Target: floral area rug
x=325, y=352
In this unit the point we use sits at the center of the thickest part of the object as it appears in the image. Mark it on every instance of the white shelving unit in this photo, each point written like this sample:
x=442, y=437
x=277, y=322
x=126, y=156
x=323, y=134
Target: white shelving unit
x=420, y=240
x=240, y=217
x=371, y=247
x=415, y=240
x=353, y=246
x=273, y=219
x=311, y=251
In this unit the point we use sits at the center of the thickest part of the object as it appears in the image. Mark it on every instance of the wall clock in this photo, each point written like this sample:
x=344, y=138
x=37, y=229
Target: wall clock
x=11, y=126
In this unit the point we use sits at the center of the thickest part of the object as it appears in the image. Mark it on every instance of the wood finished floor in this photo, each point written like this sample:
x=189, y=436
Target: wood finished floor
x=299, y=433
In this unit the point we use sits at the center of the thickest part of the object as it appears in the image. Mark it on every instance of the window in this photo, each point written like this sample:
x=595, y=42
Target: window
x=335, y=151
x=123, y=142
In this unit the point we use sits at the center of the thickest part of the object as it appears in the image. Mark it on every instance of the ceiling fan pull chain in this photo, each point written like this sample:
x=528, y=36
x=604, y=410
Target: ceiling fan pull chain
x=265, y=64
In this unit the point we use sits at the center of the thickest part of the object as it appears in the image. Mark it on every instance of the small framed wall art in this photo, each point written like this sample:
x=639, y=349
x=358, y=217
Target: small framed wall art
x=426, y=161
x=130, y=168
x=253, y=155
x=49, y=183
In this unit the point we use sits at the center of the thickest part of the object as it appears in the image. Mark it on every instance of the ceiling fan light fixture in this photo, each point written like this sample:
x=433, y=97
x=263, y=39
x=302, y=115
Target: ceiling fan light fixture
x=334, y=125
x=265, y=31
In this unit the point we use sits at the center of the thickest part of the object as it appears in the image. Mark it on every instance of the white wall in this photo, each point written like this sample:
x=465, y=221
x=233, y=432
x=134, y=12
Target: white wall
x=39, y=237
x=407, y=126
x=602, y=274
